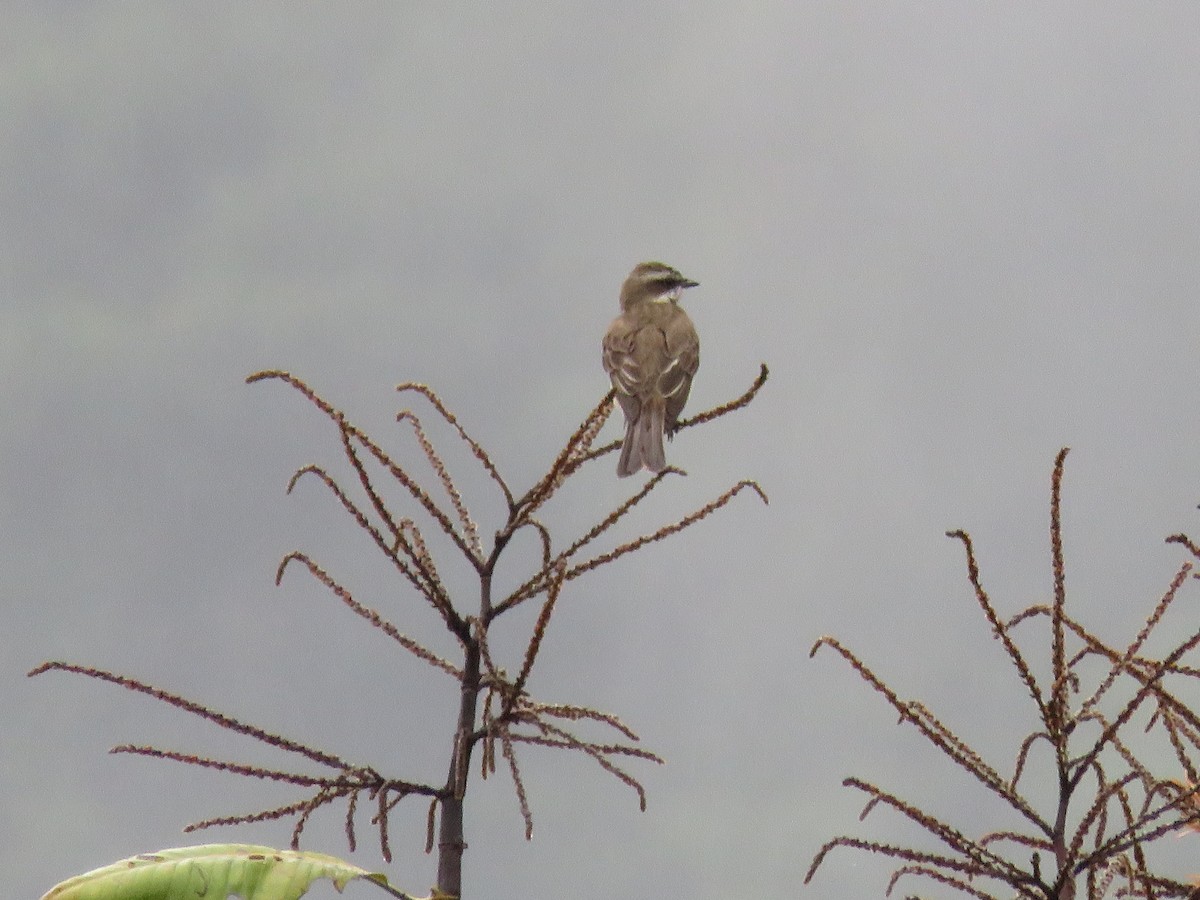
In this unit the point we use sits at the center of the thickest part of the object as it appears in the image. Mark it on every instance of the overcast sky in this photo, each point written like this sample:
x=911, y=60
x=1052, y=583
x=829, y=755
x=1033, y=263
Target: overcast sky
x=962, y=236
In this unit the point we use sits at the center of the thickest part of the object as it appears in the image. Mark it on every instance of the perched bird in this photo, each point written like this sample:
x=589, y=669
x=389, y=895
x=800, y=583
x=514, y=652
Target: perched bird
x=651, y=352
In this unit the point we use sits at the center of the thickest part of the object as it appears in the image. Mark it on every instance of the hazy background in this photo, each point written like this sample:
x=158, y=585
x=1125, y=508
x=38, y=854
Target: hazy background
x=962, y=236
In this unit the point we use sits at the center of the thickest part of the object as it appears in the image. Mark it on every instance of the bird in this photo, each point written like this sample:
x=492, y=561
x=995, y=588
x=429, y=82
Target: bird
x=651, y=352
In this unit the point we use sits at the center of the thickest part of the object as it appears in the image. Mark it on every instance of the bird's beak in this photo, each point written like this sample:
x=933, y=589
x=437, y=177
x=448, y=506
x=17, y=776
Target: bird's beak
x=688, y=284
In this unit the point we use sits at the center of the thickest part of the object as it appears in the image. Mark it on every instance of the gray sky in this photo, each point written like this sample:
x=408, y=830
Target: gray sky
x=962, y=236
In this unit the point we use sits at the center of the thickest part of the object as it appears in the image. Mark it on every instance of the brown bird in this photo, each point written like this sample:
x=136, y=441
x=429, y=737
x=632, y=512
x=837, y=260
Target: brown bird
x=651, y=352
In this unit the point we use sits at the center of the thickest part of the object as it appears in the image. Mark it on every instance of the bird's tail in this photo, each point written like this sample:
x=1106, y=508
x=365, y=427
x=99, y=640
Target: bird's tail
x=643, y=444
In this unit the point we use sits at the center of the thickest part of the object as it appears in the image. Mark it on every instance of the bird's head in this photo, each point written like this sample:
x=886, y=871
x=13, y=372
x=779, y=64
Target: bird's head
x=653, y=281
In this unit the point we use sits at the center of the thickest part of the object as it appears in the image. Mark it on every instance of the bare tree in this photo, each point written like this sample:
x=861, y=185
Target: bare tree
x=1090, y=839
x=495, y=712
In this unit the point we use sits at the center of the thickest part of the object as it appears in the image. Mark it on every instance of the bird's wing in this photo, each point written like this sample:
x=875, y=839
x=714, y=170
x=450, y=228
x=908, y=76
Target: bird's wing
x=620, y=363
x=683, y=358
x=621, y=358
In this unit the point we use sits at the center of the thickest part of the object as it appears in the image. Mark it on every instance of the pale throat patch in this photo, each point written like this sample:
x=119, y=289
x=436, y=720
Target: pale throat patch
x=669, y=296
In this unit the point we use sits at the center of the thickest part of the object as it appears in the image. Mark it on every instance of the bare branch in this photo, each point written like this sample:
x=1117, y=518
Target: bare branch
x=476, y=449
x=998, y=628
x=354, y=434
x=1058, y=698
x=725, y=408
x=664, y=532
x=1130, y=654
x=508, y=714
x=227, y=722
x=368, y=614
x=510, y=755
x=1131, y=707
x=938, y=736
x=960, y=884
x=983, y=858
x=700, y=418
x=569, y=459
x=539, y=631
x=538, y=582
x=439, y=467
x=420, y=574
x=1129, y=807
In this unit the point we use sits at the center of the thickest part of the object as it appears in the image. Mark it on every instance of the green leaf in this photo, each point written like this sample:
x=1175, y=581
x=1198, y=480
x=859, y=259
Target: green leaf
x=213, y=872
